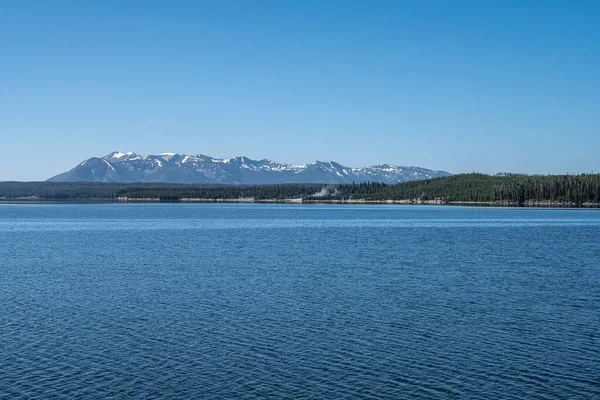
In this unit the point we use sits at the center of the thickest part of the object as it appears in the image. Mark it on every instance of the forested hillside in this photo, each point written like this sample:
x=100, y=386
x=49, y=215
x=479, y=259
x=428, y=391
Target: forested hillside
x=474, y=187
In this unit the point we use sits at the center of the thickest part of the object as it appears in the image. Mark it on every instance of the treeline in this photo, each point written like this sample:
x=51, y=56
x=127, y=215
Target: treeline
x=75, y=190
x=58, y=190
x=163, y=191
x=506, y=188
x=257, y=192
x=513, y=188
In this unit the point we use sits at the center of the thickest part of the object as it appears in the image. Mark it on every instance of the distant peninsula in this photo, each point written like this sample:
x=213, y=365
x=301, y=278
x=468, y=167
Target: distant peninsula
x=466, y=189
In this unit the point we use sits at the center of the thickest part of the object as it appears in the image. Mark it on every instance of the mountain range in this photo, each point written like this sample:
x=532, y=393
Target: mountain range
x=182, y=168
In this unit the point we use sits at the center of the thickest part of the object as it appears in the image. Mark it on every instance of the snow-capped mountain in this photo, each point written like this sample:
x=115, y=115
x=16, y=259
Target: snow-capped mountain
x=182, y=168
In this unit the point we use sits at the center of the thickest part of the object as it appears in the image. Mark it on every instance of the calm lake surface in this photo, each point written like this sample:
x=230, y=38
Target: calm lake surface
x=298, y=301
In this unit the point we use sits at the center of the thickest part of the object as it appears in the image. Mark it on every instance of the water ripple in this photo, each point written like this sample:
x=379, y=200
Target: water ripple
x=485, y=305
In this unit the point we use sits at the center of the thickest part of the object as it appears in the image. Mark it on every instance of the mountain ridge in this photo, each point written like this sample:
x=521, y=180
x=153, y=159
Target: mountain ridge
x=199, y=168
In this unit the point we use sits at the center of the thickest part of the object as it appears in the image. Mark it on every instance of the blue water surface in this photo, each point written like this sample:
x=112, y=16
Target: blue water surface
x=298, y=301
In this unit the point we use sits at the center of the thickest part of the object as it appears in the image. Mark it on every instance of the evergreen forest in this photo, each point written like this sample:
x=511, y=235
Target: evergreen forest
x=513, y=189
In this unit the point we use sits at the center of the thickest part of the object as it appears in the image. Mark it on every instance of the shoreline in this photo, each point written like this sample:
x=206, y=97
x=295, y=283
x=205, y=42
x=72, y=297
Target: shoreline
x=504, y=203
x=250, y=200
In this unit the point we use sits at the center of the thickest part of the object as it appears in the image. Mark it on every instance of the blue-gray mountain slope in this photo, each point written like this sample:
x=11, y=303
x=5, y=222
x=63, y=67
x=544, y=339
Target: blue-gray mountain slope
x=181, y=168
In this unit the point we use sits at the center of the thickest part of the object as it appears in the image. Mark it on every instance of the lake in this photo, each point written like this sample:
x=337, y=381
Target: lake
x=298, y=301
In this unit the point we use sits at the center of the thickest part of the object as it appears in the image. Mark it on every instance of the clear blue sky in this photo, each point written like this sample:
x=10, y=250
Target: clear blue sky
x=456, y=85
